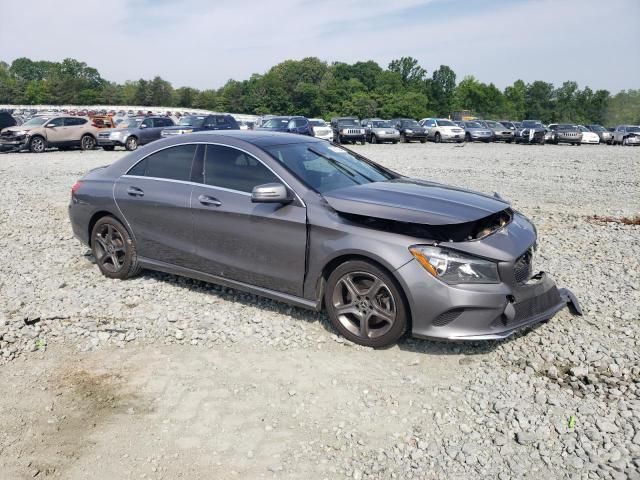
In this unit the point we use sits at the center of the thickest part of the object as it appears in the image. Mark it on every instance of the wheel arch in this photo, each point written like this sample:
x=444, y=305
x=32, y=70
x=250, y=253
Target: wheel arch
x=101, y=214
x=338, y=260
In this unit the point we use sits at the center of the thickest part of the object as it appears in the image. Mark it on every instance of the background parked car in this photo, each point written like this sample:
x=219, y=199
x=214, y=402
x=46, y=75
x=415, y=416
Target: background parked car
x=565, y=133
x=42, y=132
x=442, y=130
x=347, y=129
x=626, y=135
x=531, y=131
x=380, y=131
x=200, y=123
x=500, y=132
x=295, y=124
x=474, y=131
x=133, y=132
x=588, y=136
x=605, y=135
x=410, y=130
x=321, y=129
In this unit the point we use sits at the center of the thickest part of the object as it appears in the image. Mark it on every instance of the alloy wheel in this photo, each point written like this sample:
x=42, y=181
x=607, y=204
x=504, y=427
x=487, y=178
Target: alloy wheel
x=88, y=143
x=364, y=305
x=37, y=145
x=110, y=248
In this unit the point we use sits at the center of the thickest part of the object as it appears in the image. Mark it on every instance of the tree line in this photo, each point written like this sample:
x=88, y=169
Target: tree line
x=314, y=88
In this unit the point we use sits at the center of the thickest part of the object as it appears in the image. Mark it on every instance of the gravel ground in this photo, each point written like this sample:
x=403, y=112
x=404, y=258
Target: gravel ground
x=165, y=377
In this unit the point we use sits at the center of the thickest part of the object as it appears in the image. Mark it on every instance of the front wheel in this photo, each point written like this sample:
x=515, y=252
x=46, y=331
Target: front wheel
x=37, y=144
x=467, y=137
x=114, y=249
x=403, y=138
x=131, y=144
x=438, y=138
x=374, y=139
x=365, y=304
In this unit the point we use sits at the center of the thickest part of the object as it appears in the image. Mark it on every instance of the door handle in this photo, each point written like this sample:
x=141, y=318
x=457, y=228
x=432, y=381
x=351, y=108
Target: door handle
x=135, y=192
x=209, y=201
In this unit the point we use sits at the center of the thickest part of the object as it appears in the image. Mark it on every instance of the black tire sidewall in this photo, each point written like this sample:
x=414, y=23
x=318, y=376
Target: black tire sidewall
x=398, y=329
x=129, y=266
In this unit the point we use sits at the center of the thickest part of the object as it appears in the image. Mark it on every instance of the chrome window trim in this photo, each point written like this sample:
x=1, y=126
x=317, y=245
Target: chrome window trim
x=203, y=160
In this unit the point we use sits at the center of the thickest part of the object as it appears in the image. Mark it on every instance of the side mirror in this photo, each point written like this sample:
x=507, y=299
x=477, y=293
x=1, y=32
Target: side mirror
x=49, y=125
x=270, y=193
x=143, y=125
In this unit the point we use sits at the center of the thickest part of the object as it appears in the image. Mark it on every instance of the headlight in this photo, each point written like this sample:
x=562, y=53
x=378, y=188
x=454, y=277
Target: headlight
x=20, y=133
x=454, y=267
x=186, y=130
x=344, y=131
x=408, y=130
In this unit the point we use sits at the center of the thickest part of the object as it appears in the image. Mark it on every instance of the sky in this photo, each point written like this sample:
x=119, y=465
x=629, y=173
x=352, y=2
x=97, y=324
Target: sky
x=204, y=43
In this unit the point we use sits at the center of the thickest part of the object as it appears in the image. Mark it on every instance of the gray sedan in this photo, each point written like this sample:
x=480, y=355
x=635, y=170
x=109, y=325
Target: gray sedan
x=303, y=221
x=473, y=131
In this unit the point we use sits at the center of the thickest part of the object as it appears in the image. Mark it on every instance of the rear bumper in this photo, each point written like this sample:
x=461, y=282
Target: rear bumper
x=479, y=312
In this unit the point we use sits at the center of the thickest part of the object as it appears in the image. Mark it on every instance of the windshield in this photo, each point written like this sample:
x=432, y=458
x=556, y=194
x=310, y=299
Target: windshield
x=36, y=121
x=410, y=123
x=325, y=167
x=381, y=124
x=348, y=122
x=583, y=129
x=191, y=121
x=276, y=123
x=531, y=123
x=566, y=127
x=493, y=124
x=130, y=123
x=472, y=125
x=633, y=129
x=446, y=123
x=317, y=123
x=597, y=128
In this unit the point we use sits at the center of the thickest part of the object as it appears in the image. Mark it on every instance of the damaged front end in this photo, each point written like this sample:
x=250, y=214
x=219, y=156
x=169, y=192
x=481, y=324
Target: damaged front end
x=471, y=279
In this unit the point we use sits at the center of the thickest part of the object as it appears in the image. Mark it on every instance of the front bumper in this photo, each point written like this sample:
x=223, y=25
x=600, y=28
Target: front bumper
x=633, y=140
x=13, y=143
x=479, y=312
x=481, y=136
x=451, y=136
x=506, y=137
x=108, y=142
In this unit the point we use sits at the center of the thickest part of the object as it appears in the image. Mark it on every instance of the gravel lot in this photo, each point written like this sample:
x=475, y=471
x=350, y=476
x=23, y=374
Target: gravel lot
x=165, y=377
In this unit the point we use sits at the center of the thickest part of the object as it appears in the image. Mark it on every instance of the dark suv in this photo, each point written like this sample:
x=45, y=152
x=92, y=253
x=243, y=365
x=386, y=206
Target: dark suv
x=299, y=125
x=348, y=129
x=410, y=130
x=200, y=123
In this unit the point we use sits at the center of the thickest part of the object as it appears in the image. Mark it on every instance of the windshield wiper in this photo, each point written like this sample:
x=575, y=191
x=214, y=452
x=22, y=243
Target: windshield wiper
x=339, y=166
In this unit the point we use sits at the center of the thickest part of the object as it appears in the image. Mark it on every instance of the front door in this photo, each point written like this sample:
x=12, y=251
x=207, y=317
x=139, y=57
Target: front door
x=262, y=244
x=154, y=197
x=56, y=131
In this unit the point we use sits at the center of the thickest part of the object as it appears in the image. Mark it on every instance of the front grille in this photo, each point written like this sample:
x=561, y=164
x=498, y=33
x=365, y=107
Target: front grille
x=353, y=131
x=522, y=269
x=8, y=134
x=103, y=135
x=535, y=305
x=447, y=317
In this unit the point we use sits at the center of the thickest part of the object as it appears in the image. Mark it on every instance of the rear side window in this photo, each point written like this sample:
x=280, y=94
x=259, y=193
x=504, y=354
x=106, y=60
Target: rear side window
x=71, y=122
x=229, y=168
x=173, y=163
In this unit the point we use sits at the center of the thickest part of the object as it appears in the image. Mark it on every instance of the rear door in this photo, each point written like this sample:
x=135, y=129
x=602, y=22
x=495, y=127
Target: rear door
x=262, y=244
x=154, y=197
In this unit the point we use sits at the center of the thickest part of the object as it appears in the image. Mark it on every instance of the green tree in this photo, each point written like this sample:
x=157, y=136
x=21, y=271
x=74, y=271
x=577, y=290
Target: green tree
x=442, y=86
x=411, y=73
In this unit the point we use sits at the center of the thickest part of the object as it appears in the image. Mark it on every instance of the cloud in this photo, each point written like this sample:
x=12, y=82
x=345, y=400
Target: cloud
x=202, y=43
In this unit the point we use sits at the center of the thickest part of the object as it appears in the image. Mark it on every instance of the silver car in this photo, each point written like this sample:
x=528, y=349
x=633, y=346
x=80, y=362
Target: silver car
x=442, y=130
x=380, y=131
x=303, y=221
x=474, y=132
x=500, y=132
x=626, y=135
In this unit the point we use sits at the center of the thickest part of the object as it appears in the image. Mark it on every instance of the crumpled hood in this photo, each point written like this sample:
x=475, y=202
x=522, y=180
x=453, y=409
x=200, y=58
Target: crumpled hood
x=414, y=201
x=20, y=128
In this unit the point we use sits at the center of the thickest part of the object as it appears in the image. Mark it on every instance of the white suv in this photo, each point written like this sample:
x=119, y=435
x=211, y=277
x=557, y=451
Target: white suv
x=442, y=130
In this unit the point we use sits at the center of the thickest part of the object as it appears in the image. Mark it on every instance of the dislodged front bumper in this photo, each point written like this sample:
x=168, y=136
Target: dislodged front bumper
x=14, y=142
x=479, y=312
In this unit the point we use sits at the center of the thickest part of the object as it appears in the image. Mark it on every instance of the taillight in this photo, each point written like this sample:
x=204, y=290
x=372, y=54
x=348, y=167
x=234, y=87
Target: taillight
x=75, y=187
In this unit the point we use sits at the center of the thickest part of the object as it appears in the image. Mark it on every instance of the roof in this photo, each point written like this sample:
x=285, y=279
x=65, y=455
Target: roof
x=255, y=137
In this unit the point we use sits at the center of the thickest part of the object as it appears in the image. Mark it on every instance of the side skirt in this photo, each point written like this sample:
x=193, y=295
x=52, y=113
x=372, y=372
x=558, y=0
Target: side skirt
x=205, y=277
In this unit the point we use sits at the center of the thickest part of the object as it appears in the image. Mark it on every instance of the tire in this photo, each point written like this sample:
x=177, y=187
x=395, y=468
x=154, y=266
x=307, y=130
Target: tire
x=625, y=142
x=37, y=144
x=131, y=143
x=394, y=142
x=363, y=141
x=467, y=137
x=114, y=249
x=403, y=138
x=108, y=148
x=374, y=139
x=337, y=140
x=87, y=142
x=438, y=138
x=509, y=141
x=348, y=303
x=423, y=140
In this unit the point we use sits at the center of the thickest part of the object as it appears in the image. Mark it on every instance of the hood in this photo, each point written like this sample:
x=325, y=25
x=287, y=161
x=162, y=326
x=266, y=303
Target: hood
x=414, y=201
x=284, y=129
x=20, y=128
x=182, y=127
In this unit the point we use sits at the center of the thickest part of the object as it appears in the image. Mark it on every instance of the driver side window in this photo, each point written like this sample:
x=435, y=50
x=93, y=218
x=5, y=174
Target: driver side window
x=56, y=122
x=227, y=167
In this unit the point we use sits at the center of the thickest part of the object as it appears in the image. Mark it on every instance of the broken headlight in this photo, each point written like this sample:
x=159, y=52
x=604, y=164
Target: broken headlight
x=453, y=267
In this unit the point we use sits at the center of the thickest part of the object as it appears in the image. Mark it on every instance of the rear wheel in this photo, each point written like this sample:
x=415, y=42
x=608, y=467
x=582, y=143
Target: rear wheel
x=131, y=143
x=114, y=249
x=365, y=304
x=37, y=144
x=438, y=138
x=87, y=142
